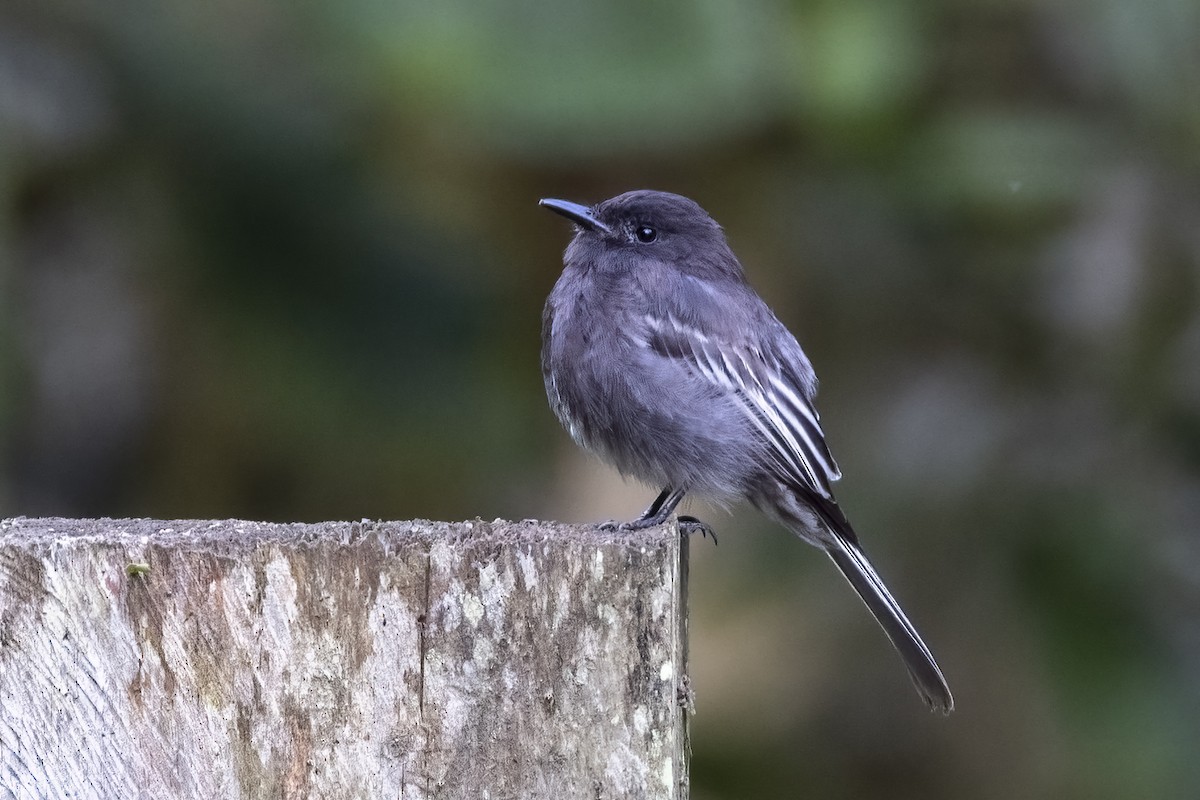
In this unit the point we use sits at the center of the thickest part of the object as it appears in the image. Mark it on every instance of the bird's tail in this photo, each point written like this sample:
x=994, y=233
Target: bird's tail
x=923, y=670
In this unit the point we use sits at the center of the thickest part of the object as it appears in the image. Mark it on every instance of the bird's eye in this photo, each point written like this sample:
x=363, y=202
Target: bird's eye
x=645, y=234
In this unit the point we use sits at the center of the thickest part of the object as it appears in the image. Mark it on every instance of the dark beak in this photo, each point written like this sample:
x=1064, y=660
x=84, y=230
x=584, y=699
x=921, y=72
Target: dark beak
x=582, y=216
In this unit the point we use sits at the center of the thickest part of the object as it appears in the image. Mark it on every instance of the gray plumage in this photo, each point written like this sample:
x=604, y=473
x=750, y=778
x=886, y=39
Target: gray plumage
x=660, y=358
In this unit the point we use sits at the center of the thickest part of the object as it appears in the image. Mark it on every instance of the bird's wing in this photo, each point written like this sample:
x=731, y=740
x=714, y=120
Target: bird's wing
x=766, y=384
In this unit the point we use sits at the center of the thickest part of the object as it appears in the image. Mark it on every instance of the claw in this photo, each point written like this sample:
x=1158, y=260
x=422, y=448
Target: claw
x=689, y=525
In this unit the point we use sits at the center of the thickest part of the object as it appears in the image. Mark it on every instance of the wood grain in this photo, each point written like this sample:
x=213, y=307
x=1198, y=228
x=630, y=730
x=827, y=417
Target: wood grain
x=213, y=659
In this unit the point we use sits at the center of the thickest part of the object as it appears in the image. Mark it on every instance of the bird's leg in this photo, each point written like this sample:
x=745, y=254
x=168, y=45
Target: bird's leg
x=658, y=511
x=662, y=507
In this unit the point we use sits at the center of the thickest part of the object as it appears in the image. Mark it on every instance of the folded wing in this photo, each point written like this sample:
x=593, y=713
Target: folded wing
x=769, y=391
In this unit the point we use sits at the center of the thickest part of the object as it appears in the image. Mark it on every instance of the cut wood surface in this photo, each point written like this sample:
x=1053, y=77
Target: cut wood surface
x=214, y=659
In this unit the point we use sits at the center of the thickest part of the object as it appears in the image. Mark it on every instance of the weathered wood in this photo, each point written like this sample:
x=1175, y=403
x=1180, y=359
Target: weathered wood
x=188, y=659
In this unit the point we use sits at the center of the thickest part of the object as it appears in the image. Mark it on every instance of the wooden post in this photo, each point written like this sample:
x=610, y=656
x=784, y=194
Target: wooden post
x=192, y=659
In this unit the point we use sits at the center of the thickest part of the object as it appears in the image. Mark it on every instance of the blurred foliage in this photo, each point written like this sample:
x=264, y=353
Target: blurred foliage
x=284, y=261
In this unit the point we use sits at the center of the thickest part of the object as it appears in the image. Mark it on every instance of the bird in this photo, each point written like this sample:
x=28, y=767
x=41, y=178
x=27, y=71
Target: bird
x=660, y=358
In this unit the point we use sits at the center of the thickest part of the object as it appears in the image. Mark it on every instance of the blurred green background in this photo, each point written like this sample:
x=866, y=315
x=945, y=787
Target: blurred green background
x=284, y=261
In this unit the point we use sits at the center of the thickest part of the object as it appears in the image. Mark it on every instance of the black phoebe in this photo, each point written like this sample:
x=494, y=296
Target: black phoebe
x=660, y=358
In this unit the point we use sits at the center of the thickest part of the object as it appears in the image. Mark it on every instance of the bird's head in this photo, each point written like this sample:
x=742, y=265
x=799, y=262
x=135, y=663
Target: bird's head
x=667, y=228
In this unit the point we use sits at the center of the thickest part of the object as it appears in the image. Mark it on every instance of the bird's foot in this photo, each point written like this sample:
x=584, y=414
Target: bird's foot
x=639, y=524
x=689, y=525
